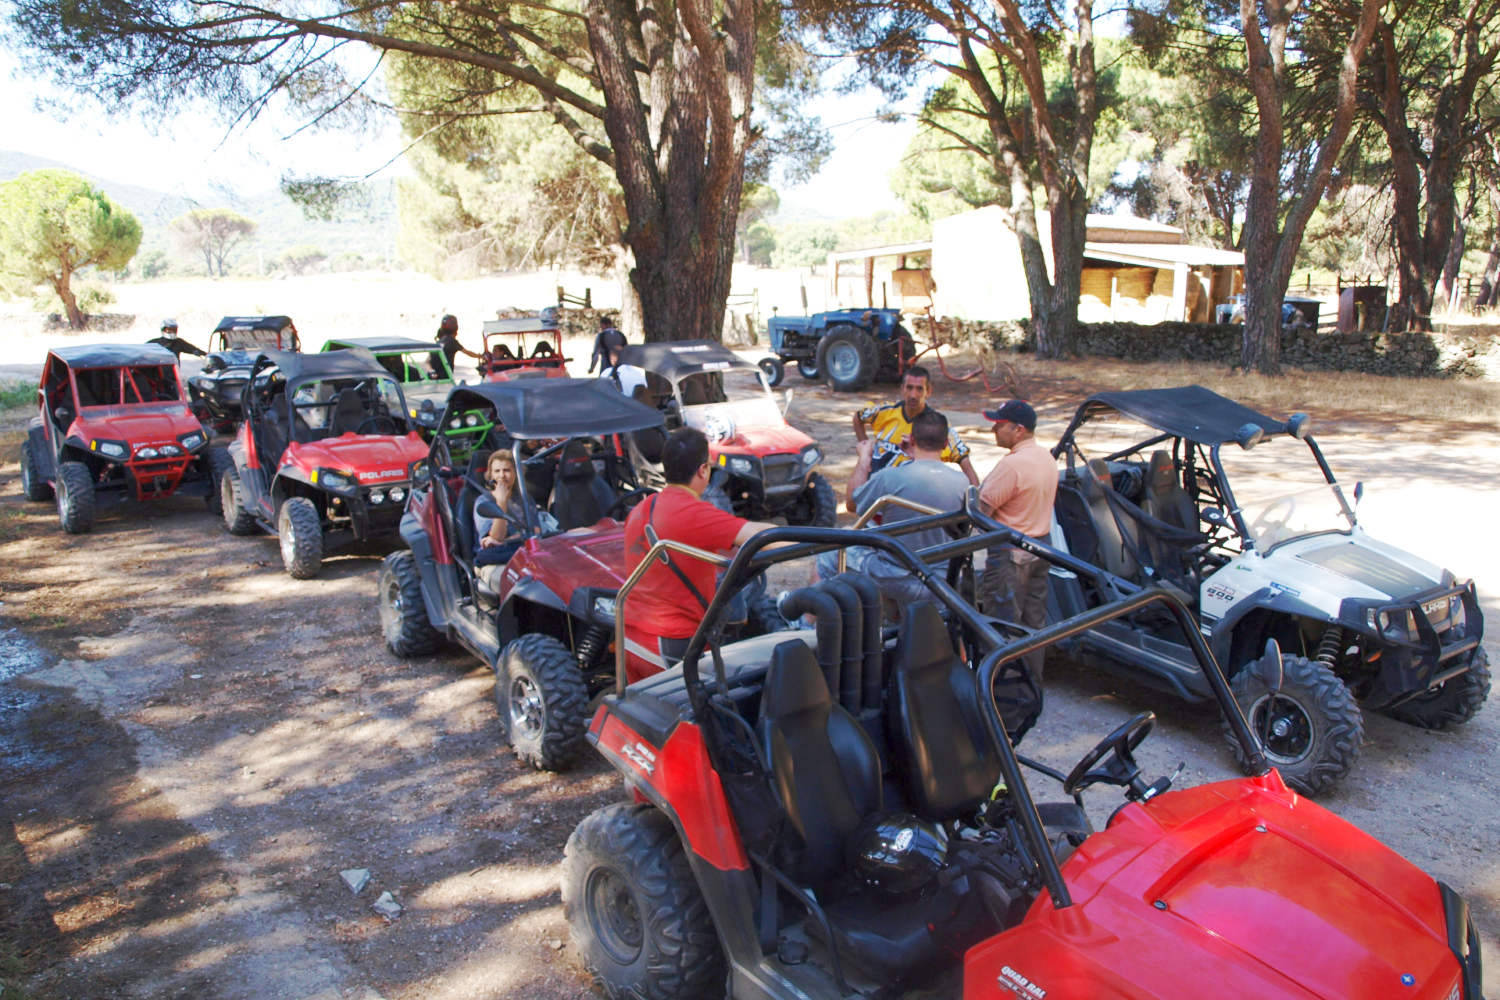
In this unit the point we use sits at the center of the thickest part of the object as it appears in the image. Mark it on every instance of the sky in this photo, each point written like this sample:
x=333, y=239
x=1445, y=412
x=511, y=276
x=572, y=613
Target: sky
x=195, y=152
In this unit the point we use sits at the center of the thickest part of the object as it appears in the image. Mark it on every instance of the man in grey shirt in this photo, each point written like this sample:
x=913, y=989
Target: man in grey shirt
x=926, y=480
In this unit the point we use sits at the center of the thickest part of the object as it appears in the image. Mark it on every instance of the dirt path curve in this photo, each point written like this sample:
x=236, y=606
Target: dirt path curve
x=197, y=745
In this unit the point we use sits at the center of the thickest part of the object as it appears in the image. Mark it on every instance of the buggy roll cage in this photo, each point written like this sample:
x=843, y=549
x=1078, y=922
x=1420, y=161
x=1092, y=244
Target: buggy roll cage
x=800, y=542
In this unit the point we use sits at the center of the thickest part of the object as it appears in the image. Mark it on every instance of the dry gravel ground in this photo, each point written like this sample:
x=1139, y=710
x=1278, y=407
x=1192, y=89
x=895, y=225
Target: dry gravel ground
x=192, y=745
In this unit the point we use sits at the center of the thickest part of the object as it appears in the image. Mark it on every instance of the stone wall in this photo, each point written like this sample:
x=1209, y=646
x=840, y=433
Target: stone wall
x=1458, y=352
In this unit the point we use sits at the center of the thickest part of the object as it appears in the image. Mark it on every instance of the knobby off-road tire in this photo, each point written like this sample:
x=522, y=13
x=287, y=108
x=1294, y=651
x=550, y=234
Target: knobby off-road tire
x=543, y=701
x=847, y=357
x=299, y=529
x=403, y=616
x=825, y=505
x=775, y=370
x=636, y=914
x=237, y=520
x=75, y=498
x=1453, y=704
x=219, y=462
x=1311, y=729
x=32, y=483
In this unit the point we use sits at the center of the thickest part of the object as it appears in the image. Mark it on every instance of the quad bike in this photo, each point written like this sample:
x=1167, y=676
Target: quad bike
x=808, y=825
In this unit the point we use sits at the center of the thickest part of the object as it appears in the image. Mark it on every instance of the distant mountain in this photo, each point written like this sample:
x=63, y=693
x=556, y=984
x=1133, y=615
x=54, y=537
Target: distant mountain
x=368, y=231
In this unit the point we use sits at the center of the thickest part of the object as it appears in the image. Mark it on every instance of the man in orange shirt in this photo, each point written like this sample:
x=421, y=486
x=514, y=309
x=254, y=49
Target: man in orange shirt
x=1018, y=492
x=664, y=609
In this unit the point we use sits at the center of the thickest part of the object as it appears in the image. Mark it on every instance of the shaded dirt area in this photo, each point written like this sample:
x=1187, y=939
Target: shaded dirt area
x=194, y=745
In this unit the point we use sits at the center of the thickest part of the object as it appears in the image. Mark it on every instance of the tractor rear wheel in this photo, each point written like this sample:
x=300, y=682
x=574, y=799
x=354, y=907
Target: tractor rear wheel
x=1456, y=702
x=403, y=615
x=237, y=520
x=637, y=916
x=1310, y=730
x=542, y=699
x=847, y=357
x=75, y=498
x=32, y=483
x=299, y=529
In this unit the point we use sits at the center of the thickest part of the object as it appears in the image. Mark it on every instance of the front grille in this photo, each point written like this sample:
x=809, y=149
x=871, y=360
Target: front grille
x=783, y=470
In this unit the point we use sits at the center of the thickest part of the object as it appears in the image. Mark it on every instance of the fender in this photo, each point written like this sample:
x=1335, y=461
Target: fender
x=41, y=452
x=1221, y=641
x=439, y=586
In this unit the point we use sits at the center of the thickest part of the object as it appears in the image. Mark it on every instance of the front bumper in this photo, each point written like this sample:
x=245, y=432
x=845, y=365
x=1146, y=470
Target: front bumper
x=1424, y=642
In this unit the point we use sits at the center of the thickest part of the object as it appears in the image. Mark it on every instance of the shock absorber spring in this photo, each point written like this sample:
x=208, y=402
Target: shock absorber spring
x=591, y=645
x=1331, y=646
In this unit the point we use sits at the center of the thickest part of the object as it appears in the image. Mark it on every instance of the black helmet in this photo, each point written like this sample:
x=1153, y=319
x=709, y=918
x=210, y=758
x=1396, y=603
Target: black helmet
x=898, y=853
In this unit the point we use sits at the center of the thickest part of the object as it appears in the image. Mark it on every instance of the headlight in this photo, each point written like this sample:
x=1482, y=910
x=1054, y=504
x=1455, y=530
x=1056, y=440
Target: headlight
x=472, y=420
x=419, y=471
x=331, y=480
x=377, y=496
x=397, y=494
x=812, y=456
x=740, y=466
x=455, y=424
x=168, y=450
x=604, y=607
x=147, y=453
x=113, y=449
x=192, y=441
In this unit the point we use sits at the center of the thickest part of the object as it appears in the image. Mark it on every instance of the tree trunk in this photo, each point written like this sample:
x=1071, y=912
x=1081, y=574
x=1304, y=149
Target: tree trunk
x=63, y=286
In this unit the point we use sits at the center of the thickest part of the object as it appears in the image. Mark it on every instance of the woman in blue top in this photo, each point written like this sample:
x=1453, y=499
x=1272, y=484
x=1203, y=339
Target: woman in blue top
x=496, y=539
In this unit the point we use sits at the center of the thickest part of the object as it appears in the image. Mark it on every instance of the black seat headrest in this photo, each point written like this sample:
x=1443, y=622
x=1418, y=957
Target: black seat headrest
x=794, y=683
x=577, y=461
x=924, y=639
x=1163, y=474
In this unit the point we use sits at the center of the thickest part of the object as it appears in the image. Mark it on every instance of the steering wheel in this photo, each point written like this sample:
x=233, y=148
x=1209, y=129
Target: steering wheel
x=627, y=501
x=1121, y=769
x=377, y=424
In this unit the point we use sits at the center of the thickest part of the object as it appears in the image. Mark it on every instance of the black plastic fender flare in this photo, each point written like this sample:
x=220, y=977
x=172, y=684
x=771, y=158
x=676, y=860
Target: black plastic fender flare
x=1265, y=599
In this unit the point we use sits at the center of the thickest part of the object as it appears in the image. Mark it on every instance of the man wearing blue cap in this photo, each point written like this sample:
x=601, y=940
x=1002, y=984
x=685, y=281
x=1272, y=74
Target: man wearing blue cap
x=1018, y=492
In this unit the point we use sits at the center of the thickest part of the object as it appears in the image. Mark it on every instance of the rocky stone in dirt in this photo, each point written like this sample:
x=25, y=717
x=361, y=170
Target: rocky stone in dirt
x=387, y=906
x=356, y=879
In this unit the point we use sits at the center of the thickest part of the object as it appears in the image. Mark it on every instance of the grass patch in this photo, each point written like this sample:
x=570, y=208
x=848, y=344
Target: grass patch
x=16, y=394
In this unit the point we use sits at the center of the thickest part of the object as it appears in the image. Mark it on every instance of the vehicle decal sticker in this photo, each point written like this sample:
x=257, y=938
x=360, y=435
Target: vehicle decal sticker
x=1281, y=588
x=1368, y=567
x=1018, y=984
x=641, y=756
x=1218, y=592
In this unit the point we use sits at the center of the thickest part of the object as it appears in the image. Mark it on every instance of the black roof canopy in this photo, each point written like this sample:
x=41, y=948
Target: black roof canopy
x=1192, y=412
x=381, y=345
x=114, y=355
x=556, y=407
x=356, y=362
x=673, y=359
x=253, y=323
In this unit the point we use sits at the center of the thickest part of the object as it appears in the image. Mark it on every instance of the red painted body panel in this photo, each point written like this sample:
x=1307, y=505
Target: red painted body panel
x=1235, y=889
x=583, y=557
x=680, y=775
x=775, y=439
x=526, y=371
x=371, y=458
x=138, y=424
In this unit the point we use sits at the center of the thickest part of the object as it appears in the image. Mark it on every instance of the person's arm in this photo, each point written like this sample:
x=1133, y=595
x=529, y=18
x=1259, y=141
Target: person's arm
x=968, y=468
x=749, y=530
x=859, y=427
x=865, y=449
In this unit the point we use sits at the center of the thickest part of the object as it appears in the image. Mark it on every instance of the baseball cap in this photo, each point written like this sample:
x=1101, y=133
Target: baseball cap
x=1014, y=411
x=169, y=323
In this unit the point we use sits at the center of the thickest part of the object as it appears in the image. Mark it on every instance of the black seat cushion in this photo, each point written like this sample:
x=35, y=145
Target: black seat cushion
x=824, y=766
x=580, y=497
x=348, y=412
x=942, y=752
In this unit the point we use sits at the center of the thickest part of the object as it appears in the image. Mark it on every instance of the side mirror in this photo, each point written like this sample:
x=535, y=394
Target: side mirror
x=62, y=414
x=1269, y=668
x=1359, y=492
x=1297, y=425
x=488, y=508
x=1214, y=516
x=1249, y=435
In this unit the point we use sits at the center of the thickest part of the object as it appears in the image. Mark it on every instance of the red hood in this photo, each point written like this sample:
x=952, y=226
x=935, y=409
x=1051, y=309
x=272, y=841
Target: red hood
x=371, y=458
x=775, y=439
x=1236, y=889
x=140, y=424
x=583, y=557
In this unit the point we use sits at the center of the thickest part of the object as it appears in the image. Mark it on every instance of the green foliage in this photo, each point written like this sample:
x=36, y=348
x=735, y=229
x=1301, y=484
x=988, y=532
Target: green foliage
x=303, y=259
x=13, y=394
x=212, y=233
x=808, y=244
x=153, y=264
x=54, y=224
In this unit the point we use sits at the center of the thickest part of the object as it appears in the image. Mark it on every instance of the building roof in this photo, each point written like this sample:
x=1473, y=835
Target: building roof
x=1163, y=254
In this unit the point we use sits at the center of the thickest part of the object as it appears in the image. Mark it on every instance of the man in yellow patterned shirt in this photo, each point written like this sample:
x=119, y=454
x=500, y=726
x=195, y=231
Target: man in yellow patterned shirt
x=890, y=426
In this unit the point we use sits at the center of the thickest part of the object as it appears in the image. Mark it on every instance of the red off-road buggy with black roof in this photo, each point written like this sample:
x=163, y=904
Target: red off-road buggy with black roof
x=546, y=628
x=541, y=358
x=326, y=454
x=768, y=468
x=809, y=825
x=113, y=426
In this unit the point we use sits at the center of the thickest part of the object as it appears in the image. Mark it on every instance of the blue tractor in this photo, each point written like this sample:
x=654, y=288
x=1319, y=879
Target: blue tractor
x=847, y=347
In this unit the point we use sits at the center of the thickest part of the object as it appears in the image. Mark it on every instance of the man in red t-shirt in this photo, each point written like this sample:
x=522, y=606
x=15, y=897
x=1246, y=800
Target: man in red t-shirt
x=663, y=610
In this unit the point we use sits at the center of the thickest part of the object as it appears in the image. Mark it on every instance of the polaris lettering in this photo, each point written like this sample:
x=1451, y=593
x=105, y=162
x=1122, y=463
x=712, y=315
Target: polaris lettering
x=384, y=474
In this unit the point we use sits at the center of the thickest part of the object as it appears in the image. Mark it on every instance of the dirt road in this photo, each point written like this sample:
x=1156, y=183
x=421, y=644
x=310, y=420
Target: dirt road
x=193, y=746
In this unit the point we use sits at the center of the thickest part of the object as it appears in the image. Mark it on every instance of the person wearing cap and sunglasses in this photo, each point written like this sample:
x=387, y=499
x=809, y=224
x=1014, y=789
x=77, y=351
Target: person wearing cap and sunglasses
x=1018, y=492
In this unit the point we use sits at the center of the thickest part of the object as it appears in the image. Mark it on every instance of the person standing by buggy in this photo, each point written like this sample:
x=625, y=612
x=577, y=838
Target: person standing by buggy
x=447, y=338
x=925, y=479
x=891, y=426
x=1018, y=492
x=664, y=609
x=607, y=344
